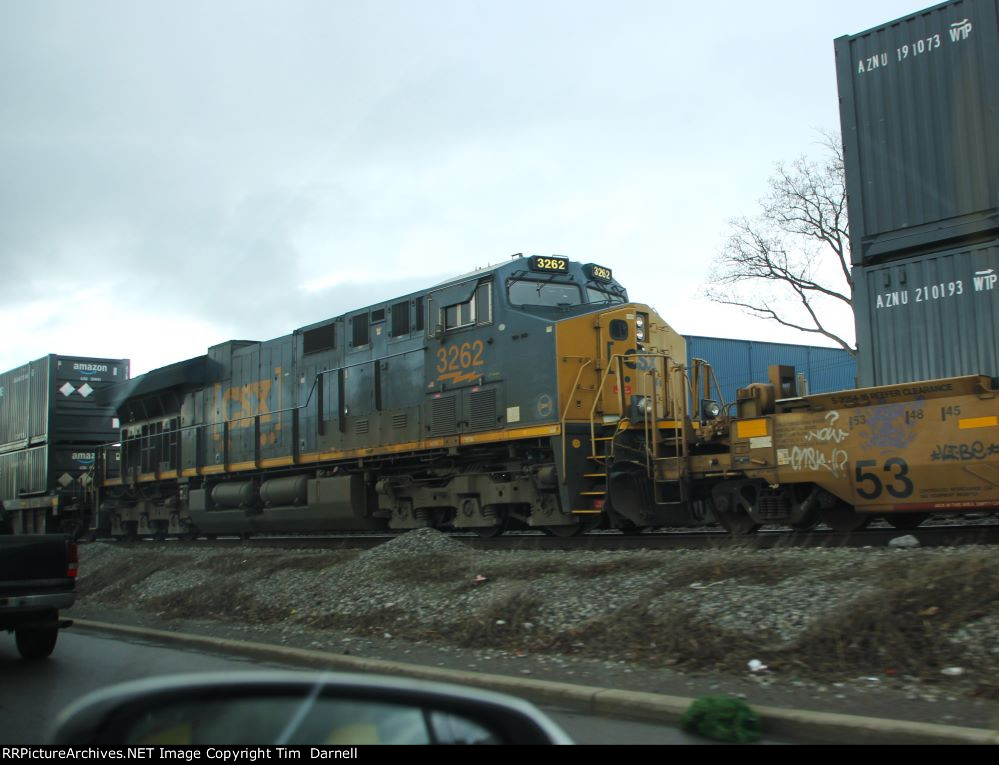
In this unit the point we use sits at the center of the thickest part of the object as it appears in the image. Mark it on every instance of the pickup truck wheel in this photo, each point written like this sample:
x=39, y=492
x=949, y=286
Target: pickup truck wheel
x=36, y=642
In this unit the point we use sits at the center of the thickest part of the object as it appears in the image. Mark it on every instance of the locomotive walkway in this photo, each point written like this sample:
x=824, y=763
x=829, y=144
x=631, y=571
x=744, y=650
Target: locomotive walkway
x=797, y=725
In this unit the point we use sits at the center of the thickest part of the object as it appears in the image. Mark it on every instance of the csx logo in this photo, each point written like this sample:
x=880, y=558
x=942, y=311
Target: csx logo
x=241, y=404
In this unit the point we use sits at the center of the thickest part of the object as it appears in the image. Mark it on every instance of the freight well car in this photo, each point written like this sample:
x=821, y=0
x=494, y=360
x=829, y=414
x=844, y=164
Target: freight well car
x=533, y=394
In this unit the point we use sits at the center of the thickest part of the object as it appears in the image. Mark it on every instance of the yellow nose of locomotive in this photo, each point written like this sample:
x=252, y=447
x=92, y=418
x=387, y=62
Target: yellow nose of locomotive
x=616, y=360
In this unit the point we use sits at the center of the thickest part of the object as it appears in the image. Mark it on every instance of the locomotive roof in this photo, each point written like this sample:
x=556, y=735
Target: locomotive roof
x=477, y=273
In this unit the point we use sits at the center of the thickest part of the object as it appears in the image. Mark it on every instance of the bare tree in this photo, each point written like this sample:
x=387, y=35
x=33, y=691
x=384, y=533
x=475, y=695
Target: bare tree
x=791, y=263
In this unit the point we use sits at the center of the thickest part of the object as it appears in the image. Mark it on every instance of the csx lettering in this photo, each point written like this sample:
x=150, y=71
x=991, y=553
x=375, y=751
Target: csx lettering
x=240, y=405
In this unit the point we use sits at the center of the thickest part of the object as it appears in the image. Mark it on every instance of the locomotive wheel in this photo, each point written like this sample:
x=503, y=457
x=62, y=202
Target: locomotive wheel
x=844, y=519
x=731, y=509
x=905, y=521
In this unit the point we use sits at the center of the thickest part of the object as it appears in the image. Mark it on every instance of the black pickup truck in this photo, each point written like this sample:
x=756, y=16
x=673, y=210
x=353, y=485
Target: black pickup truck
x=37, y=580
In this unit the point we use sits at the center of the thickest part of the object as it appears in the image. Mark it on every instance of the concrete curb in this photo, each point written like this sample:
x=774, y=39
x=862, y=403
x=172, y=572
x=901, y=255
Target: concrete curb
x=818, y=727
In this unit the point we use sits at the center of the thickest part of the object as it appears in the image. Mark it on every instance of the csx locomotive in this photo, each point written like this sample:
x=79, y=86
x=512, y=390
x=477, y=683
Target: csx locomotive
x=532, y=394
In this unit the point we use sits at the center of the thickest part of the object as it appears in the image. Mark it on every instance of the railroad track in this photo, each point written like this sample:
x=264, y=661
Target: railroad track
x=941, y=535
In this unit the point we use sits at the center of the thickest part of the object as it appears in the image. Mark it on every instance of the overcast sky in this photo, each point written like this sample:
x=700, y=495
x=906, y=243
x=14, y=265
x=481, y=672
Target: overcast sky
x=175, y=174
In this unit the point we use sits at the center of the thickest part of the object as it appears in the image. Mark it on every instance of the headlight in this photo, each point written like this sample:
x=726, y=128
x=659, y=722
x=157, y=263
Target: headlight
x=710, y=409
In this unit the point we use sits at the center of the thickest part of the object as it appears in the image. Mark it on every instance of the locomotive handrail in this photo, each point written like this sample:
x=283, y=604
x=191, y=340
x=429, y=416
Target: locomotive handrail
x=565, y=412
x=679, y=434
x=619, y=359
x=596, y=400
x=653, y=413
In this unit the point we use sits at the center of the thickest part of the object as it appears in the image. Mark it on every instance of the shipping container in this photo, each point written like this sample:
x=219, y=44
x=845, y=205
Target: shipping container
x=918, y=103
x=935, y=315
x=737, y=363
x=45, y=471
x=52, y=400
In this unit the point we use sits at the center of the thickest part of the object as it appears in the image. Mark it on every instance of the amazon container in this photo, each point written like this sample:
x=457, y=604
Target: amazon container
x=918, y=102
x=931, y=316
x=52, y=400
x=45, y=471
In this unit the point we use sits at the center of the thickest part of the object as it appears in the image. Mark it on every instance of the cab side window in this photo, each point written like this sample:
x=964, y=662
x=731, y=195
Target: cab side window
x=476, y=310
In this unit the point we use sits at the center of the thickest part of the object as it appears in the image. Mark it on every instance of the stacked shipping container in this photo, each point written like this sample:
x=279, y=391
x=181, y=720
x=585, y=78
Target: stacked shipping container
x=50, y=424
x=918, y=101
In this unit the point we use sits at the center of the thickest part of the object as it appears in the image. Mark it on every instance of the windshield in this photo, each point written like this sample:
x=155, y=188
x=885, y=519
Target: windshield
x=597, y=295
x=555, y=294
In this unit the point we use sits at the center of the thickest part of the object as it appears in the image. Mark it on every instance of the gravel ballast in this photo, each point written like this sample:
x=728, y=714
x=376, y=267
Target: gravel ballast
x=919, y=623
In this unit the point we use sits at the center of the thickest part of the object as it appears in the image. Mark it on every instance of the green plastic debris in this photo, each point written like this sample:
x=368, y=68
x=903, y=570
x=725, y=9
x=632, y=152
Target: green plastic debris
x=722, y=718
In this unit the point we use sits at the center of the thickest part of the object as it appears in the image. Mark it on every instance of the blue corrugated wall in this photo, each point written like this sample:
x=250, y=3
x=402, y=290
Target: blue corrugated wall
x=740, y=362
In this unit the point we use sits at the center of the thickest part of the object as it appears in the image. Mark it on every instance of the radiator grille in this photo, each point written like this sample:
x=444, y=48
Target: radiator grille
x=483, y=406
x=443, y=416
